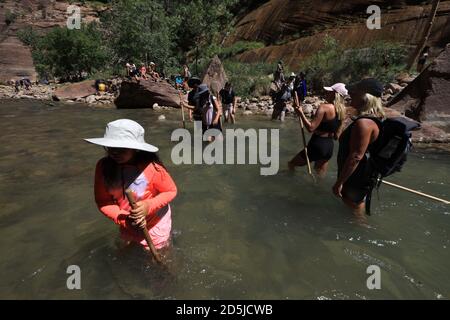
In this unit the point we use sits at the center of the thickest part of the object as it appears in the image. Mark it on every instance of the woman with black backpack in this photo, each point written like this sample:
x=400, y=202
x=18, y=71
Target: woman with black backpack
x=355, y=174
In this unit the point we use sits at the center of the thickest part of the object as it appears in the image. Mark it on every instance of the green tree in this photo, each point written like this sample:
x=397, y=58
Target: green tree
x=140, y=31
x=68, y=53
x=202, y=20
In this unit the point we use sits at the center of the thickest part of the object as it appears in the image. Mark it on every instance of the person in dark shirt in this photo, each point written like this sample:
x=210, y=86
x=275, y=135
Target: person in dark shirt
x=300, y=86
x=229, y=102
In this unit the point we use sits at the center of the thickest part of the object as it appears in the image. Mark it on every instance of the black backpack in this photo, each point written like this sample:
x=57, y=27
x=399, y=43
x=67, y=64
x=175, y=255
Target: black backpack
x=389, y=153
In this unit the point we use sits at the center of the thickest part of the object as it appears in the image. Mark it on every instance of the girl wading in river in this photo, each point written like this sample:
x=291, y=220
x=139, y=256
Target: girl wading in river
x=131, y=163
x=326, y=126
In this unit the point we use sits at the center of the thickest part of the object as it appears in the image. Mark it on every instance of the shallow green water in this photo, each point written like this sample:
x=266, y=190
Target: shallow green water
x=237, y=235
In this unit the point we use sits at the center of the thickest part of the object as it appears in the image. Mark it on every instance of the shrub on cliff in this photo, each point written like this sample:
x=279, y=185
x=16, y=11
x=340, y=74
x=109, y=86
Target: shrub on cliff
x=333, y=63
x=10, y=17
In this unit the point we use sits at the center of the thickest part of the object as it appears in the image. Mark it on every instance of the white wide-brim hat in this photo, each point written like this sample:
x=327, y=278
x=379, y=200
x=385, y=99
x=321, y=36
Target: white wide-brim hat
x=339, y=88
x=124, y=133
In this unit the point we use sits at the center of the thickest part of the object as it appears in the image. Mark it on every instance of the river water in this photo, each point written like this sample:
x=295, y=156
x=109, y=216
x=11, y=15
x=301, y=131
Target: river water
x=236, y=234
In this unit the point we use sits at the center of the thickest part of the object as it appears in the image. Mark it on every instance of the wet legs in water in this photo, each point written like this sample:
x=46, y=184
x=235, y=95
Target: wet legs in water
x=320, y=166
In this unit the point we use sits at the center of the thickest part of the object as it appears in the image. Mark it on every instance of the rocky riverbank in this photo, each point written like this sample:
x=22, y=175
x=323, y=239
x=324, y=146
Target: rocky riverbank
x=84, y=92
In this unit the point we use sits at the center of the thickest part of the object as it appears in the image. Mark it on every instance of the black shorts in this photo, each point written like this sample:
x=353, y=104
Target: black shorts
x=320, y=148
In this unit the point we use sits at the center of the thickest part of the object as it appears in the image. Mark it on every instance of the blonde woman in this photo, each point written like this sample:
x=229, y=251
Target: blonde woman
x=355, y=176
x=326, y=126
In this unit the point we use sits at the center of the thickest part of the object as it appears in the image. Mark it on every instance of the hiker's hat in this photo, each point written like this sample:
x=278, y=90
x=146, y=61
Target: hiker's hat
x=194, y=81
x=369, y=85
x=124, y=133
x=292, y=75
x=152, y=64
x=202, y=89
x=339, y=88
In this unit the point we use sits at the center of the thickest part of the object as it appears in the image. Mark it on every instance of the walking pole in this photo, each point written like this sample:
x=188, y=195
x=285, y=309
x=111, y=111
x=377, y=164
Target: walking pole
x=304, y=138
x=415, y=192
x=155, y=253
x=182, y=110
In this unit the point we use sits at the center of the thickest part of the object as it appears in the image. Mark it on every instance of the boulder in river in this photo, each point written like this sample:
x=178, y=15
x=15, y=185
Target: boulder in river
x=73, y=91
x=145, y=93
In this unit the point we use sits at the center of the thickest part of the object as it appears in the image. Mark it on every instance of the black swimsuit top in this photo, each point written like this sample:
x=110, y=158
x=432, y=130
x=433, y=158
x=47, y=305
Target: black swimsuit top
x=329, y=126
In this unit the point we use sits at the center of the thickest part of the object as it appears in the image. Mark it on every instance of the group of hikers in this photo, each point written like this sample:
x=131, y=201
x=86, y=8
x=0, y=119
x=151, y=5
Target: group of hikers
x=21, y=83
x=131, y=163
x=144, y=72
x=209, y=107
x=284, y=89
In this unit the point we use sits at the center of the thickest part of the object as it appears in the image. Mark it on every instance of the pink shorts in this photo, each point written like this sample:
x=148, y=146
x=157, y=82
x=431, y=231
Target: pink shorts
x=160, y=233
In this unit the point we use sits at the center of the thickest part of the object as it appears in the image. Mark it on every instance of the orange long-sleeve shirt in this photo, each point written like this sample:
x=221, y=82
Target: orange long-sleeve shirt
x=151, y=184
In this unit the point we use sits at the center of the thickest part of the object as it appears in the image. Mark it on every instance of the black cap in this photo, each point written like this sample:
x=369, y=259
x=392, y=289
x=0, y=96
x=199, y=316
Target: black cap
x=370, y=85
x=194, y=81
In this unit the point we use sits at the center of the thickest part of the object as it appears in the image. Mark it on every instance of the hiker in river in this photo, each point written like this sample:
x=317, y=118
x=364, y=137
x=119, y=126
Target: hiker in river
x=325, y=126
x=300, y=86
x=354, y=171
x=208, y=106
x=281, y=98
x=229, y=102
x=131, y=163
x=195, y=113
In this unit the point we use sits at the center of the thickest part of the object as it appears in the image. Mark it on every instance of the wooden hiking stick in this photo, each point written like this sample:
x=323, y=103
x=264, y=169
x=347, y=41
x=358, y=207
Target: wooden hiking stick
x=303, y=137
x=182, y=110
x=415, y=192
x=155, y=253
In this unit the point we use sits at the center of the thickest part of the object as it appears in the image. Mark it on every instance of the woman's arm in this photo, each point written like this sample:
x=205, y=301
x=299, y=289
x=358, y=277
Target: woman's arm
x=318, y=117
x=104, y=200
x=187, y=106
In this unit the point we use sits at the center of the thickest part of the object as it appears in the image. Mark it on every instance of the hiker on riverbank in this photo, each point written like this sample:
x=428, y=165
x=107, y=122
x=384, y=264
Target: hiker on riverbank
x=143, y=72
x=278, y=76
x=355, y=176
x=132, y=71
x=422, y=59
x=24, y=82
x=152, y=72
x=229, y=102
x=325, y=126
x=131, y=163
